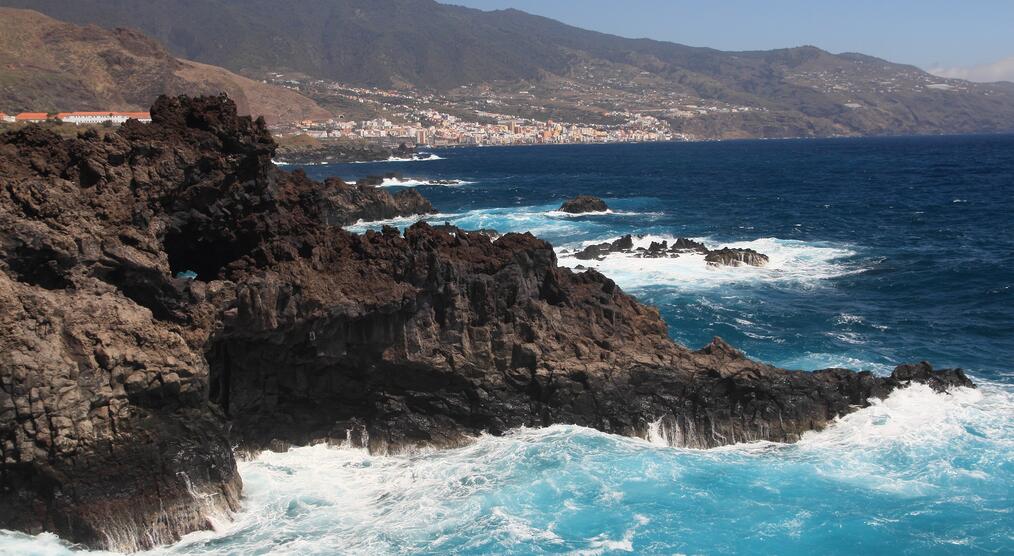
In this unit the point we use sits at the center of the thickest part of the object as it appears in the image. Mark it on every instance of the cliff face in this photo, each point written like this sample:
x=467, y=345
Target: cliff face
x=119, y=381
x=106, y=432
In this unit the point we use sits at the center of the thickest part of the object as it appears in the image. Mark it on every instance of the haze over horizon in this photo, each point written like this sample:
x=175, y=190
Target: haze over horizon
x=972, y=42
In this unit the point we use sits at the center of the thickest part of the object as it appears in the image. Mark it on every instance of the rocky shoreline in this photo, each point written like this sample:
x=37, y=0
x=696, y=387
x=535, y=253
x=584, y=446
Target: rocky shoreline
x=334, y=152
x=123, y=388
x=726, y=256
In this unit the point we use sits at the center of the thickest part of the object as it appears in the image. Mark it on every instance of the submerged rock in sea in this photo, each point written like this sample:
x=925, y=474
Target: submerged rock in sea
x=736, y=257
x=584, y=203
x=123, y=388
x=600, y=250
x=662, y=249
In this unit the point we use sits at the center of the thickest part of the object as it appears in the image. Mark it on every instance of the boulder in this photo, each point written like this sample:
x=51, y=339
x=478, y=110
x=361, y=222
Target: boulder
x=735, y=257
x=584, y=203
x=600, y=250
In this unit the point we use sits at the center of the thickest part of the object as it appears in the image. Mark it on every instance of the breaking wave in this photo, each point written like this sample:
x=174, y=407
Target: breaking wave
x=412, y=182
x=562, y=214
x=400, y=222
x=790, y=261
x=878, y=474
x=417, y=157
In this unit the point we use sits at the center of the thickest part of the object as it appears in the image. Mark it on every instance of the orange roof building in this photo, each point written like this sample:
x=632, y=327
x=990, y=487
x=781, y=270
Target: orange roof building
x=31, y=117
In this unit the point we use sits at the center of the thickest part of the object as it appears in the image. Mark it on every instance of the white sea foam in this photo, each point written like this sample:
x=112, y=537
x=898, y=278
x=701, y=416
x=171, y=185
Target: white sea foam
x=400, y=222
x=913, y=442
x=790, y=261
x=418, y=157
x=812, y=361
x=402, y=182
x=563, y=214
x=915, y=415
x=507, y=219
x=846, y=319
x=513, y=492
x=284, y=163
x=519, y=219
x=414, y=182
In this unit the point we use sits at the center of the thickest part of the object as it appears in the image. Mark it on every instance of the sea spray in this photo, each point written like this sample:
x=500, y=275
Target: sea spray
x=873, y=478
x=793, y=261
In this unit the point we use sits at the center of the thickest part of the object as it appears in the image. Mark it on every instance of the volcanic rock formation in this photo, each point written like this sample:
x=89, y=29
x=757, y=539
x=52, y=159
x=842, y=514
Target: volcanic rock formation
x=662, y=249
x=584, y=203
x=350, y=203
x=303, y=149
x=600, y=250
x=736, y=257
x=119, y=382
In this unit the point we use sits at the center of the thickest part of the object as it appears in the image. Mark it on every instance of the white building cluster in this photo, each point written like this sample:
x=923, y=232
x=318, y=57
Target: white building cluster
x=77, y=118
x=446, y=129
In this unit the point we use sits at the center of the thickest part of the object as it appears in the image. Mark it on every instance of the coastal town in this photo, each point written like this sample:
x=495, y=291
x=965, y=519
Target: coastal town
x=468, y=117
x=439, y=129
x=449, y=130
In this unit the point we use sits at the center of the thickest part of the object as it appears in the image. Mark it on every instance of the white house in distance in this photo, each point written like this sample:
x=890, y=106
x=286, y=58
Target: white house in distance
x=5, y=117
x=79, y=118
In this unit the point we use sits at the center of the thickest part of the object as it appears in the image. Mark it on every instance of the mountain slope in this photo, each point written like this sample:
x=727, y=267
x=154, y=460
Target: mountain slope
x=49, y=65
x=422, y=44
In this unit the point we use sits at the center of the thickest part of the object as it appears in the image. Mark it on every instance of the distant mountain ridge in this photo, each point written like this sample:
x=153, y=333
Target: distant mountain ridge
x=422, y=44
x=49, y=65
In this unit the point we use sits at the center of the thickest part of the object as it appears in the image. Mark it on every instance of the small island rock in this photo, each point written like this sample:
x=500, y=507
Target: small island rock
x=584, y=203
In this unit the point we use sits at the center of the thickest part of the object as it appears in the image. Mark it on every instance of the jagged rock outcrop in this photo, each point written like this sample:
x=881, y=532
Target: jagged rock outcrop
x=351, y=203
x=735, y=257
x=662, y=249
x=598, y=251
x=303, y=149
x=119, y=381
x=584, y=203
x=449, y=228
x=107, y=435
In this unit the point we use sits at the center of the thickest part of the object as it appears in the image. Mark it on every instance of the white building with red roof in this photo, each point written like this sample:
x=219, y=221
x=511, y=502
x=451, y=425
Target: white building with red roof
x=31, y=117
x=80, y=118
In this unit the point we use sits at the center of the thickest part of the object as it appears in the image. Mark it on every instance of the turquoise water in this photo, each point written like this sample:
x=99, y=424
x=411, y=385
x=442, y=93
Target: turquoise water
x=882, y=251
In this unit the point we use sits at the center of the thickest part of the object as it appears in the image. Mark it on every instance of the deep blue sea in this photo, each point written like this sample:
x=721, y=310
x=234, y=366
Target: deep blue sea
x=882, y=251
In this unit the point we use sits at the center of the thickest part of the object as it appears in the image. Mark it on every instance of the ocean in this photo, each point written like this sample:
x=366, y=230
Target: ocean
x=883, y=251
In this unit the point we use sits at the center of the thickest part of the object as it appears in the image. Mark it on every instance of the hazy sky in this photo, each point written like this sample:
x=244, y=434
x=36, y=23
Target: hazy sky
x=963, y=38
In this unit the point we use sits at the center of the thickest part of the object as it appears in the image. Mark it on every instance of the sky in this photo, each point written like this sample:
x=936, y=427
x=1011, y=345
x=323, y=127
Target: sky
x=969, y=39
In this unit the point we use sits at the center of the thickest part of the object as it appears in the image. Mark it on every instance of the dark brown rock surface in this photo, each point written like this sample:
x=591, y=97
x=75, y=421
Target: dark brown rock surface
x=728, y=256
x=119, y=381
x=584, y=203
